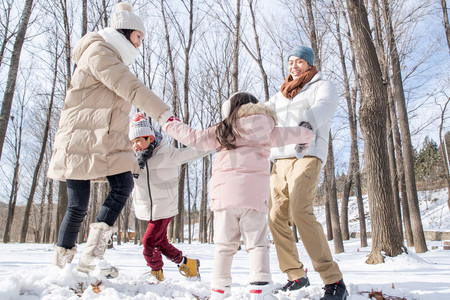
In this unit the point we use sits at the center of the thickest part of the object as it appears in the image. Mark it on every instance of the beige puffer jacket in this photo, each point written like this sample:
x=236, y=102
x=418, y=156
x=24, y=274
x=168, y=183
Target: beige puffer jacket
x=92, y=139
x=155, y=193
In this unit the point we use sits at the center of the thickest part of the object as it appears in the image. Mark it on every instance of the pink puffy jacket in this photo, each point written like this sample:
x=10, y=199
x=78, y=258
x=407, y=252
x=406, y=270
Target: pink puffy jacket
x=240, y=177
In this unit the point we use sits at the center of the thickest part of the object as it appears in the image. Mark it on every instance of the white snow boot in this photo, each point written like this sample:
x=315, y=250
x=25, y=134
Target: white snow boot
x=100, y=235
x=261, y=291
x=63, y=256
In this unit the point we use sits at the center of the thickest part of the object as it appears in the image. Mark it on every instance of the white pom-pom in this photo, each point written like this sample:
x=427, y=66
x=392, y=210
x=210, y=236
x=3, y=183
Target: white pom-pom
x=123, y=6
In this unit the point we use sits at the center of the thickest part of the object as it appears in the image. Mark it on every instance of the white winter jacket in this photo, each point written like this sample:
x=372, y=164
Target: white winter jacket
x=155, y=193
x=316, y=104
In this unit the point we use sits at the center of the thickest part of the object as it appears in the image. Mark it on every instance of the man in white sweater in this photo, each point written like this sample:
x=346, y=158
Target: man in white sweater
x=305, y=99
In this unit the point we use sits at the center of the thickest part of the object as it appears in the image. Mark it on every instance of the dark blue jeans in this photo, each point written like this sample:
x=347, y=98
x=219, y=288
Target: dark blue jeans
x=78, y=203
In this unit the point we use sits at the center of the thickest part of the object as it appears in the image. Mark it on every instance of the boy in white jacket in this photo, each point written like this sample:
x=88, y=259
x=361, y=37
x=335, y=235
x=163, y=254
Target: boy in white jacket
x=155, y=194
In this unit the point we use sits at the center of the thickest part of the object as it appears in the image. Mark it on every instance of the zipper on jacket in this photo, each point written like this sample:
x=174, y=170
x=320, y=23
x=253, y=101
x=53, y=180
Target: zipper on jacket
x=149, y=191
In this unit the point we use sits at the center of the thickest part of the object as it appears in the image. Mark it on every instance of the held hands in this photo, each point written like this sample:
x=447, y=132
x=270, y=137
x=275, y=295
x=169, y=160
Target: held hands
x=307, y=134
x=173, y=118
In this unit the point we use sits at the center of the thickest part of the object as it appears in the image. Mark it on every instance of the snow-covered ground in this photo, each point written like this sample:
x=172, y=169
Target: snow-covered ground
x=26, y=270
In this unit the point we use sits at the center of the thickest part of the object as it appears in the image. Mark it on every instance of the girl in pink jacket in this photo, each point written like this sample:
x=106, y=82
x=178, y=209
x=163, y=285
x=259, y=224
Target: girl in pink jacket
x=239, y=185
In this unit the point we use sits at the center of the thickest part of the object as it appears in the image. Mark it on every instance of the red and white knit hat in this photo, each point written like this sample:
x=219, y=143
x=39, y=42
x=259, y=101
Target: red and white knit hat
x=140, y=127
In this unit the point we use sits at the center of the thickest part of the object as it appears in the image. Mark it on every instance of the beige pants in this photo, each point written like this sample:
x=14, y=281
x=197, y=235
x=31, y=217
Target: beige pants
x=229, y=225
x=293, y=185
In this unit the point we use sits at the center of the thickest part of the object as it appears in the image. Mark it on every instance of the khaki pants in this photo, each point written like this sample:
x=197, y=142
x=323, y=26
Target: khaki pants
x=293, y=188
x=229, y=225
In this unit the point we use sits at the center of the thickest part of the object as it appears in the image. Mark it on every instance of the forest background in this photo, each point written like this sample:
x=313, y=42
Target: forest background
x=389, y=137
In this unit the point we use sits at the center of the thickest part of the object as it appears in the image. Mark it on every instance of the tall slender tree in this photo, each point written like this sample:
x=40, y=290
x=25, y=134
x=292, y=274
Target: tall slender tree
x=386, y=237
x=446, y=22
x=18, y=130
x=397, y=82
x=13, y=70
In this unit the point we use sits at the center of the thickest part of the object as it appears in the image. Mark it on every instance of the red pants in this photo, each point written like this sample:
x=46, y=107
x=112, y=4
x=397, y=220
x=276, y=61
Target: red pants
x=156, y=243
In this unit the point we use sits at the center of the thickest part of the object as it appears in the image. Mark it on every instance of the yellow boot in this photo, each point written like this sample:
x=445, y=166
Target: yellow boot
x=189, y=267
x=159, y=275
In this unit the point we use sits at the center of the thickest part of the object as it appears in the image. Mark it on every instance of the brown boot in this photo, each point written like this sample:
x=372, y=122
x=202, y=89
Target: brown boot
x=189, y=267
x=159, y=275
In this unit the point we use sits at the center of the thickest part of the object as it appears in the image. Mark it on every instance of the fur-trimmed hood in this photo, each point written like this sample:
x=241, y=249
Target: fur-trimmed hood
x=257, y=109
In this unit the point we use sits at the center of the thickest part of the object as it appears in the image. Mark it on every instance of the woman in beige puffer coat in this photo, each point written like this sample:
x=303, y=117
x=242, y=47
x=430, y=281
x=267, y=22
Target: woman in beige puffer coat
x=92, y=139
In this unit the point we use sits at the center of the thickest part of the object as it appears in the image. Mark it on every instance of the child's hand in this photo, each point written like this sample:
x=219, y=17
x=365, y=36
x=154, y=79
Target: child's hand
x=173, y=118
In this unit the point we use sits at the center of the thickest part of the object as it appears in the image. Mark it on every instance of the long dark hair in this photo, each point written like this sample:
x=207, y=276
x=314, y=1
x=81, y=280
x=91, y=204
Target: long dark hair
x=126, y=33
x=225, y=131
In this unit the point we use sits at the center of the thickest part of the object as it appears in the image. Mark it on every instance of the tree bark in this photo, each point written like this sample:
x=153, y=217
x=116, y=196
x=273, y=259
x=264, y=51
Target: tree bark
x=348, y=182
x=49, y=215
x=385, y=71
x=385, y=234
x=312, y=34
x=13, y=70
x=203, y=215
x=237, y=38
x=328, y=217
x=354, y=143
x=446, y=23
x=6, y=36
x=15, y=182
x=332, y=199
x=84, y=18
x=397, y=82
x=61, y=207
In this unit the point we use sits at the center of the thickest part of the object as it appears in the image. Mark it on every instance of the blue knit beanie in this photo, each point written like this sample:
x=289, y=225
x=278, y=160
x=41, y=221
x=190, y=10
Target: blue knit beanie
x=303, y=52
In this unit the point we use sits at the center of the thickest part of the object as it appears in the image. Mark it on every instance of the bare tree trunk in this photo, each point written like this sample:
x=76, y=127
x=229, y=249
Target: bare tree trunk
x=394, y=178
x=38, y=229
x=413, y=200
x=237, y=38
x=6, y=36
x=175, y=100
x=49, y=215
x=13, y=70
x=354, y=145
x=189, y=208
x=61, y=207
x=345, y=199
x=15, y=182
x=203, y=214
x=84, y=18
x=446, y=23
x=372, y=112
x=312, y=34
x=385, y=71
x=211, y=228
x=258, y=56
x=351, y=167
x=332, y=199
x=119, y=231
x=137, y=230
x=328, y=215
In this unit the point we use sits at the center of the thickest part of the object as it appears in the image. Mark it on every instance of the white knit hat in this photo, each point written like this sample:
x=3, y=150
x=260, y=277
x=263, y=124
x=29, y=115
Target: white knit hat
x=140, y=127
x=124, y=18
